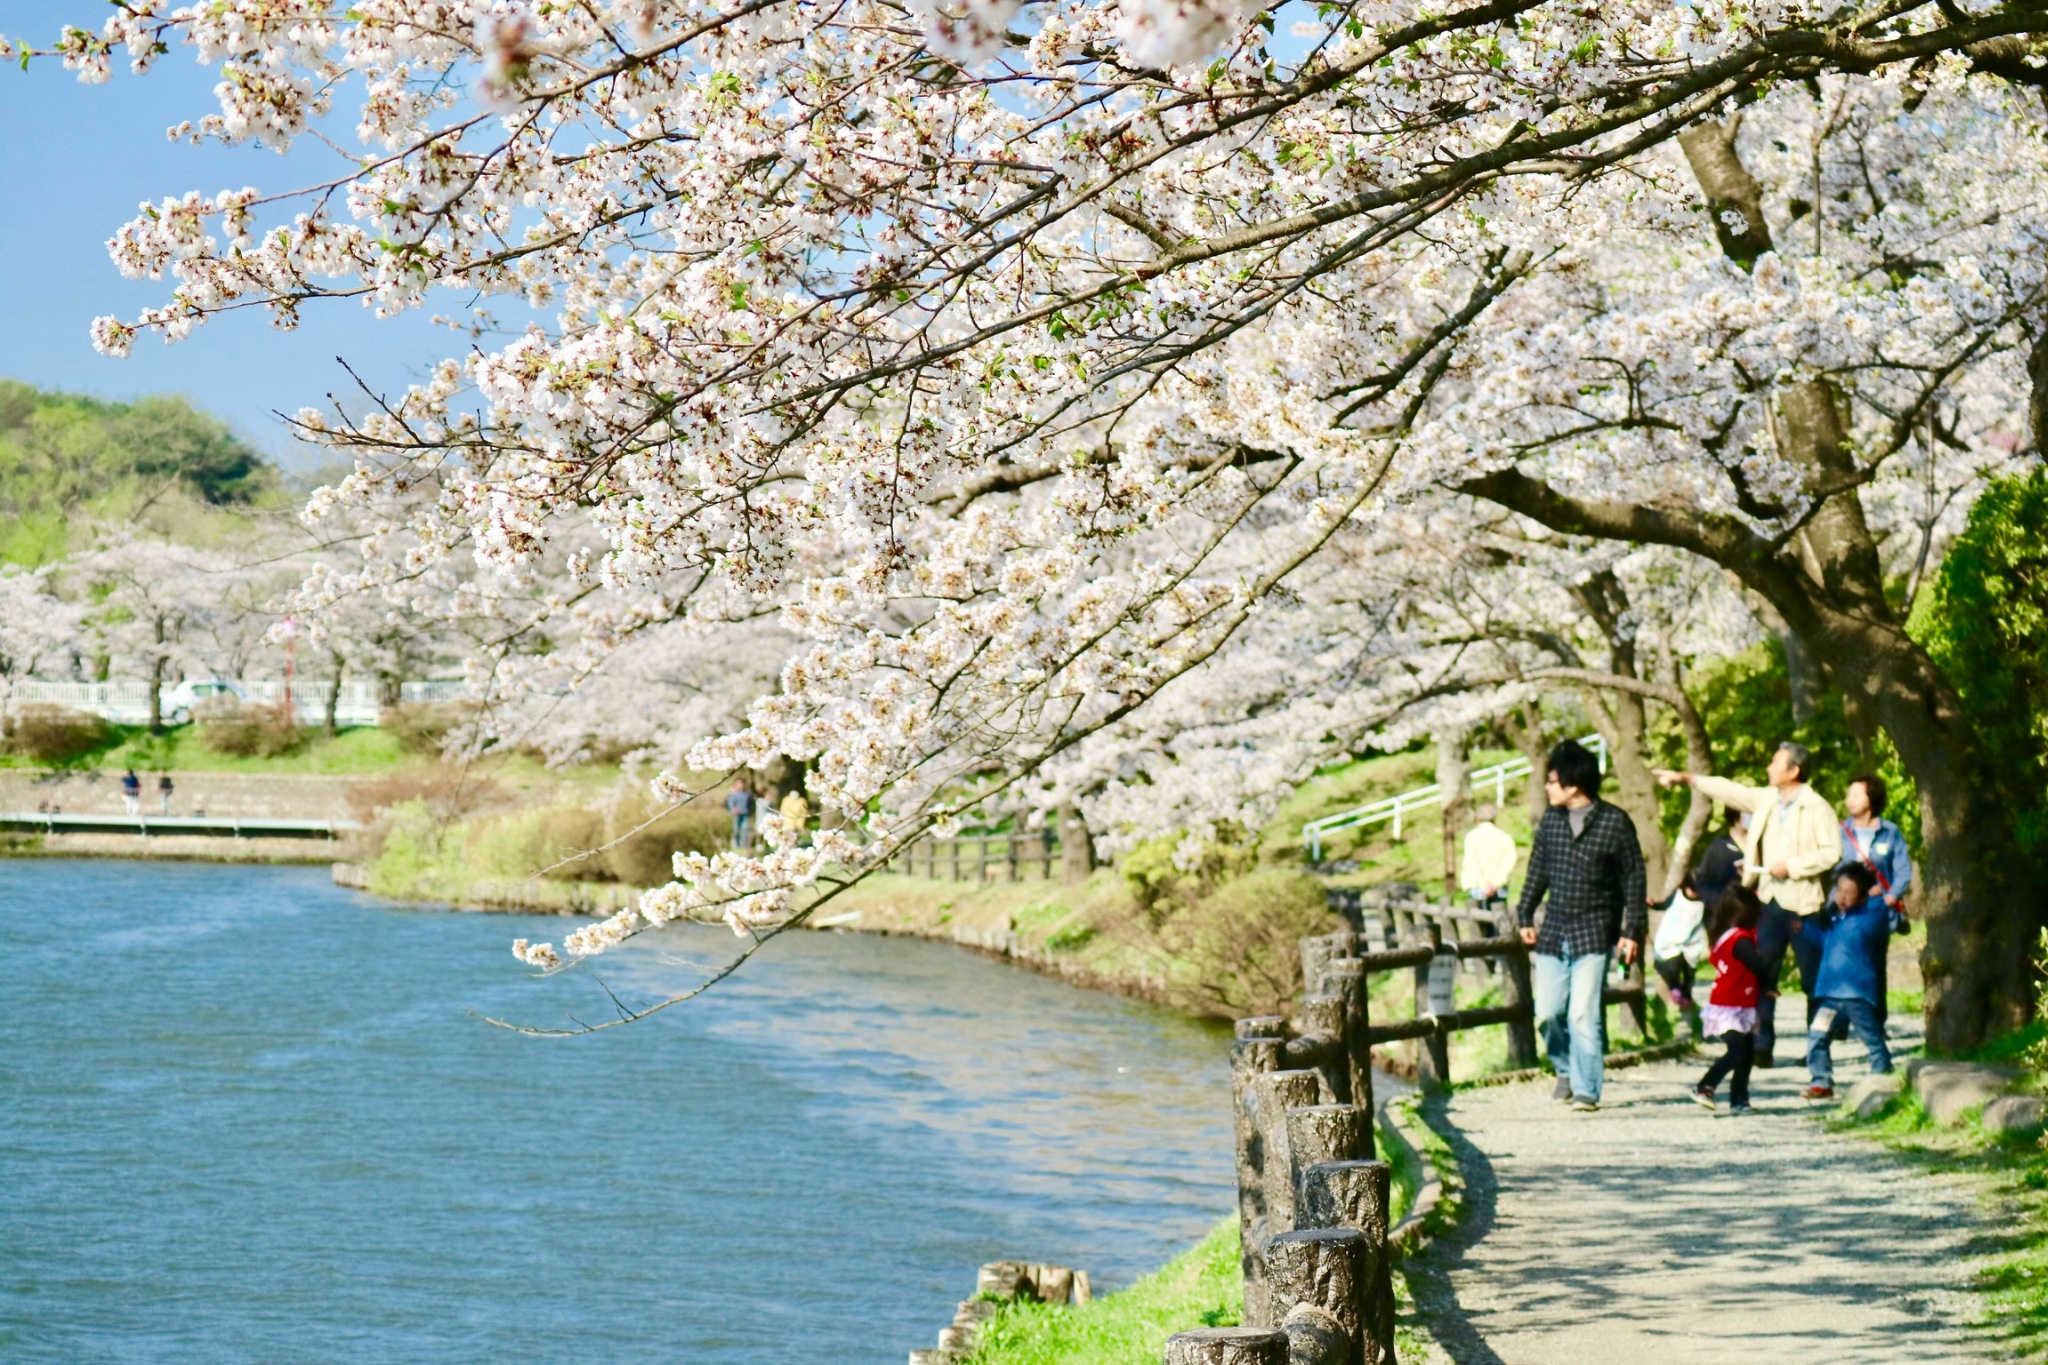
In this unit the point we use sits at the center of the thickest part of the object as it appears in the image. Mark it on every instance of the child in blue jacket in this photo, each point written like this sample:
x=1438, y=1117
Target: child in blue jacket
x=1850, y=981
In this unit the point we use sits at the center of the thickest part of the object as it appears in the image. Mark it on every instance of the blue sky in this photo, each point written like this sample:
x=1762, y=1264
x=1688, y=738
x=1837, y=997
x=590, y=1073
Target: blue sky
x=75, y=160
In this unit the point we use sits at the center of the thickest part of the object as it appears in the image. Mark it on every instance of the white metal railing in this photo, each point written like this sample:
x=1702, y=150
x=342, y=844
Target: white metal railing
x=126, y=702
x=1395, y=808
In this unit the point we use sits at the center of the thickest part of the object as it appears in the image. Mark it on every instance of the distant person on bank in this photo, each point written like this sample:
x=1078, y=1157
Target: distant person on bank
x=739, y=804
x=163, y=790
x=1488, y=861
x=796, y=815
x=1788, y=856
x=1848, y=984
x=131, y=792
x=1587, y=860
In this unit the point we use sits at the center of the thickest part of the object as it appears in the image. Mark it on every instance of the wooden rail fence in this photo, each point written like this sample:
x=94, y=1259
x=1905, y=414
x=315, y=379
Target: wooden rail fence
x=1014, y=857
x=1312, y=1197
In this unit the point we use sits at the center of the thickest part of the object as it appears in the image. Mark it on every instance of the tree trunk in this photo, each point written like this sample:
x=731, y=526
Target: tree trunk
x=1526, y=727
x=1622, y=720
x=1077, y=848
x=156, y=693
x=1452, y=767
x=327, y=722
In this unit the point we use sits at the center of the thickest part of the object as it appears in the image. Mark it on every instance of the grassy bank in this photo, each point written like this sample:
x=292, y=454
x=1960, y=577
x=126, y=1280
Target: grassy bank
x=2011, y=1173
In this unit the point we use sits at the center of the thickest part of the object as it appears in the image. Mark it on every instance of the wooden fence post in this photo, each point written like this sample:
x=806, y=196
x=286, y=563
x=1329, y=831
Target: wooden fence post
x=1433, y=1056
x=1255, y=1054
x=1348, y=981
x=1515, y=990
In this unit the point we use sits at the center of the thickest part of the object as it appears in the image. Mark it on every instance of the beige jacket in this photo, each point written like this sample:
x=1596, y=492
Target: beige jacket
x=1489, y=858
x=1807, y=839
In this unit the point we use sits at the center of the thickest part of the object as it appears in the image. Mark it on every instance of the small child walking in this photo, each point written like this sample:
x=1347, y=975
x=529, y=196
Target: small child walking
x=1730, y=1014
x=1850, y=983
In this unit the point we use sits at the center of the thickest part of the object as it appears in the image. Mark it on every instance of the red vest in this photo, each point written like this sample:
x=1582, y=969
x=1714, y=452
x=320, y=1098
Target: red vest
x=1735, y=984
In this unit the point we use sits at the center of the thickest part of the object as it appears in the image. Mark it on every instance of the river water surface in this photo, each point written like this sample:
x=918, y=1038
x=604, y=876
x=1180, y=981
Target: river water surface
x=247, y=1116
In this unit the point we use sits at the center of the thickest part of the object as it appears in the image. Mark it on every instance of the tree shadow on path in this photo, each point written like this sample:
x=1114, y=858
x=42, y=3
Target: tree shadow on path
x=1429, y=1274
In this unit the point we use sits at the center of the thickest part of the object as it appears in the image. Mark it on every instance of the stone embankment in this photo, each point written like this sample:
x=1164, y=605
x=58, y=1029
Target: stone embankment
x=277, y=796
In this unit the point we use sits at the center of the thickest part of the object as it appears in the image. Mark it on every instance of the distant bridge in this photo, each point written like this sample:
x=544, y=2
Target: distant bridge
x=216, y=826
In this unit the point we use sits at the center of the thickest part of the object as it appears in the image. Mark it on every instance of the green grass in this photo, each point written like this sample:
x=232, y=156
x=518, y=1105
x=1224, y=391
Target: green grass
x=2012, y=1275
x=1417, y=856
x=1202, y=1287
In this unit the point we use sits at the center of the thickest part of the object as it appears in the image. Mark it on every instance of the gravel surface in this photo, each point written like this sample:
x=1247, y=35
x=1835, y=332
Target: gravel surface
x=1656, y=1233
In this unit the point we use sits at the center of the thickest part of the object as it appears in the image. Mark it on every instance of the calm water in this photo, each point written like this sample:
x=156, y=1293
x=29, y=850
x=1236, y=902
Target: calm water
x=246, y=1116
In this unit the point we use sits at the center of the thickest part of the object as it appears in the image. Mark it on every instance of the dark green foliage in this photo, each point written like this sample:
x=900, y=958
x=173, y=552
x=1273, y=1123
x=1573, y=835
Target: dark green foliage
x=63, y=453
x=1984, y=619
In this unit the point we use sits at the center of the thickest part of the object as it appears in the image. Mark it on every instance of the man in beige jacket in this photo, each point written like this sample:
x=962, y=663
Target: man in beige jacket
x=1792, y=845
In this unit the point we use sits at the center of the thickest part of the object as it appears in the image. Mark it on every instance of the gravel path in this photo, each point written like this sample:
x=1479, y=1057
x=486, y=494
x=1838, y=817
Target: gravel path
x=1655, y=1233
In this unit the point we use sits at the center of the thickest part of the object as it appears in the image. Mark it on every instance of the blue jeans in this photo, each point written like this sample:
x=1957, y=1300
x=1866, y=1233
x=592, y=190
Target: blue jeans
x=1570, y=1017
x=1862, y=1017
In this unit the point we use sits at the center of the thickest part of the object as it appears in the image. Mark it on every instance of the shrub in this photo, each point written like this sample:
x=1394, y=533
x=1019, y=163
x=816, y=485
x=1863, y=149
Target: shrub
x=49, y=733
x=644, y=857
x=228, y=725
x=423, y=727
x=1172, y=873
x=545, y=839
x=1236, y=951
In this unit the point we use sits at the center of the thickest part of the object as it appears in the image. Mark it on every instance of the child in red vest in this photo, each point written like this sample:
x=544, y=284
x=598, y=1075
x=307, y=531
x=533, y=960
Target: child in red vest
x=1730, y=1014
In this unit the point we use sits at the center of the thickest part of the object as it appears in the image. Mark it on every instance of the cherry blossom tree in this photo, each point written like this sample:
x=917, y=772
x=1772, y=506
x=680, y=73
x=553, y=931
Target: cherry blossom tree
x=1024, y=360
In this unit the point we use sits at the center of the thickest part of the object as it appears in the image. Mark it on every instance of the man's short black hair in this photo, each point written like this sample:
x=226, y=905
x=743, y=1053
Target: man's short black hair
x=1574, y=766
x=1873, y=787
x=1801, y=756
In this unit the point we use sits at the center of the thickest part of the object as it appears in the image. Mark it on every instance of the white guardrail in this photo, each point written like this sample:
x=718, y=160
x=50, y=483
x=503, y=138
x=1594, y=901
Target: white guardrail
x=1394, y=808
x=127, y=702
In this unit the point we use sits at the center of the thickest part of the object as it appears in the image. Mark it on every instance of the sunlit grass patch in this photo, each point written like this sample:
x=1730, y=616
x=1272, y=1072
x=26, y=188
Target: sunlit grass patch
x=1202, y=1287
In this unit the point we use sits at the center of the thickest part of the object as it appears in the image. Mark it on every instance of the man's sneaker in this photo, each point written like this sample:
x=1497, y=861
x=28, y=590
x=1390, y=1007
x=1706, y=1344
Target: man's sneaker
x=1763, y=1062
x=1819, y=1092
x=1702, y=1097
x=1585, y=1104
x=1738, y=1109
x=1562, y=1091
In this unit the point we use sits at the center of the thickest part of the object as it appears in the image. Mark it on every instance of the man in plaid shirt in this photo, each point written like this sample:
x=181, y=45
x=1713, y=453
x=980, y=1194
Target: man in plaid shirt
x=1587, y=859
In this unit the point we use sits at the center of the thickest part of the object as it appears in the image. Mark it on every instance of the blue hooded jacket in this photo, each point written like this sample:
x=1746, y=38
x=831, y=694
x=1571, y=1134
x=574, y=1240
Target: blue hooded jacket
x=1853, y=953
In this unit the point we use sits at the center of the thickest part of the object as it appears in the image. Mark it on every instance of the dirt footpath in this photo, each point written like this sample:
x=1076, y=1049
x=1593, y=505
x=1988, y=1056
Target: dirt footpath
x=1656, y=1233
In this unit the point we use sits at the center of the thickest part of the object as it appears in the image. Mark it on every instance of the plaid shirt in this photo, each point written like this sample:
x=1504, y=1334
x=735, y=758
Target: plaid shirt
x=1595, y=883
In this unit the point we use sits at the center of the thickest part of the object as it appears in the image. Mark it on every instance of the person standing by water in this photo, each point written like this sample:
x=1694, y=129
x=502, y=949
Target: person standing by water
x=1792, y=846
x=1488, y=862
x=1848, y=985
x=163, y=789
x=739, y=804
x=1588, y=862
x=131, y=792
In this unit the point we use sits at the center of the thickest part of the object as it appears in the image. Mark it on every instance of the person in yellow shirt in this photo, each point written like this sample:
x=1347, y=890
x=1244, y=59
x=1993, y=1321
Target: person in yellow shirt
x=1488, y=861
x=1792, y=845
x=796, y=816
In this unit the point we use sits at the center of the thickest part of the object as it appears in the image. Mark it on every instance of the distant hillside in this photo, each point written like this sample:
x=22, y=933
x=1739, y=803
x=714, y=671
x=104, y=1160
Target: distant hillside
x=65, y=458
